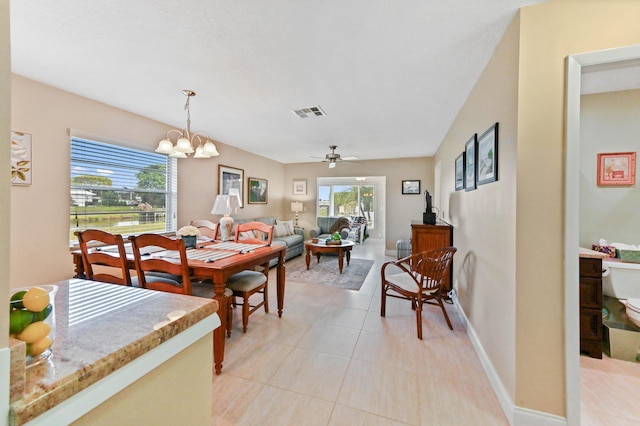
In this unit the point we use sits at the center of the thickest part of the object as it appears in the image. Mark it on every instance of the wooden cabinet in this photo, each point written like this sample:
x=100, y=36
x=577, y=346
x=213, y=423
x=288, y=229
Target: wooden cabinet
x=591, y=306
x=430, y=237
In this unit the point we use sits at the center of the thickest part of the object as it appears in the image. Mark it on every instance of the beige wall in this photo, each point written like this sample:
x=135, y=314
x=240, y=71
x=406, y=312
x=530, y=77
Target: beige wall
x=608, y=123
x=5, y=148
x=548, y=33
x=400, y=210
x=484, y=219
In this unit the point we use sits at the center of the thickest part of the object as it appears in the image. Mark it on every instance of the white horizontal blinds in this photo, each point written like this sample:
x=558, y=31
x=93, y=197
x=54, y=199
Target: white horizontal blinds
x=120, y=189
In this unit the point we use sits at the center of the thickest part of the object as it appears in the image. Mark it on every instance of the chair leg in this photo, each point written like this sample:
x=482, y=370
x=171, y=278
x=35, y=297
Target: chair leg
x=418, y=309
x=383, y=301
x=265, y=292
x=229, y=315
x=444, y=311
x=245, y=313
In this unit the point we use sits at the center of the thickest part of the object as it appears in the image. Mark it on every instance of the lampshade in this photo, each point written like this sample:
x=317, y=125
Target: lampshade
x=225, y=204
x=296, y=206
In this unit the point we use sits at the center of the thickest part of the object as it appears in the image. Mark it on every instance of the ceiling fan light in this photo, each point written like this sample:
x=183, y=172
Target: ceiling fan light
x=184, y=145
x=165, y=146
x=332, y=164
x=210, y=149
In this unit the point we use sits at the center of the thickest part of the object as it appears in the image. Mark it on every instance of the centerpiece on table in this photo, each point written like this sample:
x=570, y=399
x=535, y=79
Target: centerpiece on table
x=335, y=239
x=189, y=235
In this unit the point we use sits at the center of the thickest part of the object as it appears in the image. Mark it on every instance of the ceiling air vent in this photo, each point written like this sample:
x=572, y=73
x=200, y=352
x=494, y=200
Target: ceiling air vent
x=314, y=111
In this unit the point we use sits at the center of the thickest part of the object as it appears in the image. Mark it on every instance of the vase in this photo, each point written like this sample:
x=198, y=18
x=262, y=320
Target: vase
x=189, y=241
x=226, y=226
x=33, y=321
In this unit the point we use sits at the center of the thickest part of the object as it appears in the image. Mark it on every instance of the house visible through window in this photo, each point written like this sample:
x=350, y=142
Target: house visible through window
x=121, y=190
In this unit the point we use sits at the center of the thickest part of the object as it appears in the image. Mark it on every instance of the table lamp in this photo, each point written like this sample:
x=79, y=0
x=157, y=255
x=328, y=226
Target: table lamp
x=225, y=205
x=296, y=207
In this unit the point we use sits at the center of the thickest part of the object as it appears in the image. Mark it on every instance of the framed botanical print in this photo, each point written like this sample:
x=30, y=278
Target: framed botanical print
x=20, y=158
x=616, y=168
x=230, y=182
x=470, y=163
x=257, y=191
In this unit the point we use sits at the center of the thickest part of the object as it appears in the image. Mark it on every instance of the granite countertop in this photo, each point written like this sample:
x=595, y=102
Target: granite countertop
x=588, y=253
x=99, y=329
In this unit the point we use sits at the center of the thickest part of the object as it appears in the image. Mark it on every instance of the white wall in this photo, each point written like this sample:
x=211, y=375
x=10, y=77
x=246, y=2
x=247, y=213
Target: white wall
x=609, y=122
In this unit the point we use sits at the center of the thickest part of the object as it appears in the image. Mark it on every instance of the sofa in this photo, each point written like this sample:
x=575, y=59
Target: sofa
x=350, y=228
x=284, y=233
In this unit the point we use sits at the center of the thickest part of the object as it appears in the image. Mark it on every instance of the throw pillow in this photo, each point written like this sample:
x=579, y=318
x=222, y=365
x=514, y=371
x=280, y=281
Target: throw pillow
x=280, y=230
x=246, y=235
x=288, y=224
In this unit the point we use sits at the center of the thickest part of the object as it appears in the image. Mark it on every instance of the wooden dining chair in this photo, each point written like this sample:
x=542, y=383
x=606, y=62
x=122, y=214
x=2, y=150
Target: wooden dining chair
x=105, y=261
x=163, y=274
x=417, y=278
x=207, y=228
x=247, y=283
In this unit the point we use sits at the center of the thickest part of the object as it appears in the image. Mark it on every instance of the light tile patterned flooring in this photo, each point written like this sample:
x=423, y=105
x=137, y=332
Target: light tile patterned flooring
x=332, y=360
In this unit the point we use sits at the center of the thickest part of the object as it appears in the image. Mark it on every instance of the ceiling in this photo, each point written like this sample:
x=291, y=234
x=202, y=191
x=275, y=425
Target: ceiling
x=390, y=76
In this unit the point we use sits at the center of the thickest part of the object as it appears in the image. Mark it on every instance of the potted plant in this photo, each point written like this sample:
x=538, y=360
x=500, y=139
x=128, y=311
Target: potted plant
x=189, y=235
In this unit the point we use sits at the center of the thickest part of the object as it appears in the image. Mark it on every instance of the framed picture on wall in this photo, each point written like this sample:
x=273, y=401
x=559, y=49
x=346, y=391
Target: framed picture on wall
x=257, y=191
x=616, y=168
x=488, y=156
x=470, y=163
x=410, y=187
x=460, y=172
x=230, y=182
x=299, y=187
x=20, y=158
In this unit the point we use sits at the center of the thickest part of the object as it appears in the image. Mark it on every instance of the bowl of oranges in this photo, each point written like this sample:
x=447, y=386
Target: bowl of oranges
x=32, y=320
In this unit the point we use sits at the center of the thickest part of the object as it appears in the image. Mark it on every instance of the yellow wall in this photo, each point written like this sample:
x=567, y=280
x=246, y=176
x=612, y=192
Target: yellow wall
x=484, y=219
x=549, y=32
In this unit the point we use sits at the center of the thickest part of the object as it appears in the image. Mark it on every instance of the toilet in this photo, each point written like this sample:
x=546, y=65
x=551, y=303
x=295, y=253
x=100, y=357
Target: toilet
x=621, y=279
x=633, y=310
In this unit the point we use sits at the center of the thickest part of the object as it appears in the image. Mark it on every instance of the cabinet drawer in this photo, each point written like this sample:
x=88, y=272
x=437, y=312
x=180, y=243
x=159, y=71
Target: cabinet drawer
x=590, y=292
x=590, y=267
x=591, y=324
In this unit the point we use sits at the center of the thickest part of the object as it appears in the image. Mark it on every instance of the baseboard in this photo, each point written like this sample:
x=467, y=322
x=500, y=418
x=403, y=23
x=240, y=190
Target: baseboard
x=516, y=415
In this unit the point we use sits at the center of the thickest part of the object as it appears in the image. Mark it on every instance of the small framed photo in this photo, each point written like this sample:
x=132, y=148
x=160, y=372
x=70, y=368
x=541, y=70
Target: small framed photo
x=230, y=182
x=299, y=187
x=410, y=187
x=460, y=172
x=470, y=163
x=488, y=156
x=20, y=158
x=617, y=168
x=257, y=191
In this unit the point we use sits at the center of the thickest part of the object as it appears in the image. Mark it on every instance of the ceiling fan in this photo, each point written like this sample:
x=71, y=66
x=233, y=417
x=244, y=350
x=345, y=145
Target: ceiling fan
x=332, y=158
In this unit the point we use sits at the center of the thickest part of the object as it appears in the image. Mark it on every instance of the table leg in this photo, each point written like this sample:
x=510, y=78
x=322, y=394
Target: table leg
x=280, y=279
x=340, y=259
x=308, y=257
x=348, y=257
x=219, y=334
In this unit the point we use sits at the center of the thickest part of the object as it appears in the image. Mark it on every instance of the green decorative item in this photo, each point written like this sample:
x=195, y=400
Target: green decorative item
x=336, y=236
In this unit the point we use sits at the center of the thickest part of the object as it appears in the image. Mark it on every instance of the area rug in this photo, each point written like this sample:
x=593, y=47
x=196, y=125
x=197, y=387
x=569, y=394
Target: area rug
x=327, y=273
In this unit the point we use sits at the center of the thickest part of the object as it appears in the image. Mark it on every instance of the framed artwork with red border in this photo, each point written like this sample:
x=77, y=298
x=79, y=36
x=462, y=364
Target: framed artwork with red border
x=616, y=168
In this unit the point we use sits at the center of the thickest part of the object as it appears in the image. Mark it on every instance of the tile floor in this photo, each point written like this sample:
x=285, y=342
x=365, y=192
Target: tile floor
x=332, y=360
x=609, y=392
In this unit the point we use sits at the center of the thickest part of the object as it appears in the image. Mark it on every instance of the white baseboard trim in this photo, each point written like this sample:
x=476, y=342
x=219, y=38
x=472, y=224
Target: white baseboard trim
x=516, y=415
x=391, y=253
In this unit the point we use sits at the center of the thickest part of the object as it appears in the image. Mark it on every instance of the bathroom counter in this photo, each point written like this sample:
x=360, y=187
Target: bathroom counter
x=102, y=331
x=592, y=254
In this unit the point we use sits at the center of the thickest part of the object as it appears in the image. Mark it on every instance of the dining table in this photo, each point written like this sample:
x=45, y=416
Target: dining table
x=217, y=261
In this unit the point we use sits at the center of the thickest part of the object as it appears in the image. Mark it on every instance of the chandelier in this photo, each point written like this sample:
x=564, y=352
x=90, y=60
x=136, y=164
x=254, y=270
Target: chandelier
x=186, y=141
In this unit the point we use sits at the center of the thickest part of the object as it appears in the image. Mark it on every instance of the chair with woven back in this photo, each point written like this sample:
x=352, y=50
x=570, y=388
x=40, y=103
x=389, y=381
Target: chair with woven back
x=247, y=283
x=162, y=274
x=417, y=278
x=106, y=262
x=207, y=228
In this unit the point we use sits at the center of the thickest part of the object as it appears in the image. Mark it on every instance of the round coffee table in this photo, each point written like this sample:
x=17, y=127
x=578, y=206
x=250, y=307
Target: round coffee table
x=320, y=248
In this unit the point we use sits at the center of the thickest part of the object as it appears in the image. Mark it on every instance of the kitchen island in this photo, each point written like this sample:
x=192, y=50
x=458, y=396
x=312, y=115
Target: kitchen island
x=121, y=355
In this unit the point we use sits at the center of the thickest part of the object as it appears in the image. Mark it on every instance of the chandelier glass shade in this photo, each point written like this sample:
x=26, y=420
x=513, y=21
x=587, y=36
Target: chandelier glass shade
x=197, y=144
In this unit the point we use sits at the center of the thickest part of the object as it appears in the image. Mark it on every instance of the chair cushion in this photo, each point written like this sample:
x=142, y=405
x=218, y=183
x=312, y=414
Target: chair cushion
x=246, y=280
x=206, y=290
x=404, y=281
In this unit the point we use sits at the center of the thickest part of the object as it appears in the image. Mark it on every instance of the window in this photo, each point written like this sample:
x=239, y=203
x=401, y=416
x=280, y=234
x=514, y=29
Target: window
x=347, y=200
x=121, y=190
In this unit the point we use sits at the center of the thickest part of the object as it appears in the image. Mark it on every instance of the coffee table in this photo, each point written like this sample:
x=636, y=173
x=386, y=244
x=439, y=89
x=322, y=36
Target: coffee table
x=320, y=248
